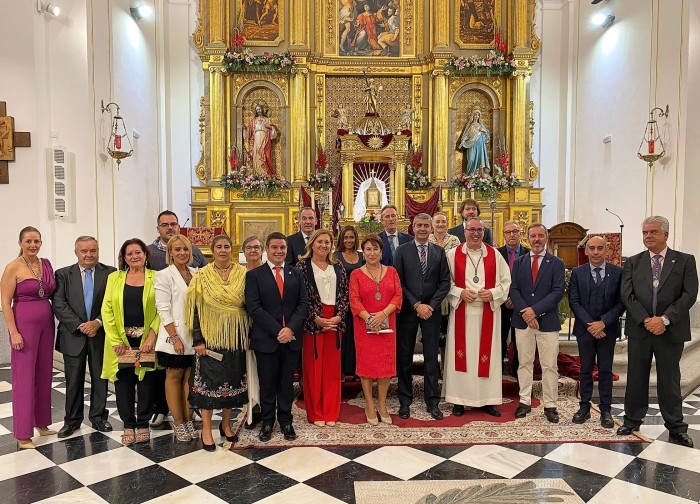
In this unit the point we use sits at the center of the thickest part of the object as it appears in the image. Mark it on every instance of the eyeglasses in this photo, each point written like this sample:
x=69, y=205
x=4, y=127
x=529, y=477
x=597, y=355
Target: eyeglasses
x=475, y=230
x=166, y=225
x=250, y=248
x=512, y=232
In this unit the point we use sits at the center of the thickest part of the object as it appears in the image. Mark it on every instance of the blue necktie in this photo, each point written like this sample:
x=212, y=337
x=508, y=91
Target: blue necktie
x=598, y=278
x=87, y=293
x=392, y=247
x=423, y=258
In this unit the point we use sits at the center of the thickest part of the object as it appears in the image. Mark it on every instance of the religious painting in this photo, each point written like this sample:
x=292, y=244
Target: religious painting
x=369, y=28
x=261, y=21
x=7, y=152
x=477, y=21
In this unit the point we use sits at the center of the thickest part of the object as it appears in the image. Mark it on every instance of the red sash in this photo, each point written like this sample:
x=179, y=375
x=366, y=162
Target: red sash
x=486, y=339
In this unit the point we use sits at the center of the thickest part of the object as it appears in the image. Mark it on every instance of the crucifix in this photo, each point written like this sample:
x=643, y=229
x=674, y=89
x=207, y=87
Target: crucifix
x=9, y=139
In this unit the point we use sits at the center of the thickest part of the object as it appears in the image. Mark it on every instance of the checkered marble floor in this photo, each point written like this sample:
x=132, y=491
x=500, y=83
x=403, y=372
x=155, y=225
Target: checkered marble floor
x=94, y=467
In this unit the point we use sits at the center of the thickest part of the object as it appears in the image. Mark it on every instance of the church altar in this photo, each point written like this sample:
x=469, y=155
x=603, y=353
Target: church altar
x=369, y=82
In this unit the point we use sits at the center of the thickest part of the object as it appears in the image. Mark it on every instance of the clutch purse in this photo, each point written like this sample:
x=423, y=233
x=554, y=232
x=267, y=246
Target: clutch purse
x=135, y=358
x=384, y=328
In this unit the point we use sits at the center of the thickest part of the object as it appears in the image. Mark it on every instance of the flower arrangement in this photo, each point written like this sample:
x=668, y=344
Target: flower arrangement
x=371, y=223
x=322, y=178
x=488, y=186
x=564, y=309
x=252, y=184
x=243, y=60
x=496, y=61
x=416, y=178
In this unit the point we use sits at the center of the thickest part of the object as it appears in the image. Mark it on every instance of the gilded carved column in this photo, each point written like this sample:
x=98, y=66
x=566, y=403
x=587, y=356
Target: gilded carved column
x=520, y=126
x=217, y=122
x=441, y=23
x=299, y=23
x=440, y=125
x=299, y=131
x=399, y=188
x=521, y=26
x=347, y=187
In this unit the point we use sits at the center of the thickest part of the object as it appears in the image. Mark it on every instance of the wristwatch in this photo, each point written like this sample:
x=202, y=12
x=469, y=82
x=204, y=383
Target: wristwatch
x=665, y=320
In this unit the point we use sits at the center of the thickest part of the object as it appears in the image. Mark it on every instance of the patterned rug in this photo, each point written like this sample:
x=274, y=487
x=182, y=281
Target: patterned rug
x=474, y=427
x=462, y=492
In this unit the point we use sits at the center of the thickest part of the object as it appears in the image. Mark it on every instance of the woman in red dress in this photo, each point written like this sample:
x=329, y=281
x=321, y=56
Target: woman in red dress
x=375, y=296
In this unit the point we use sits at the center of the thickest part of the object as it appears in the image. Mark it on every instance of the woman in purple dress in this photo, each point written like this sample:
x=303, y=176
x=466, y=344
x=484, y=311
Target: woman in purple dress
x=26, y=287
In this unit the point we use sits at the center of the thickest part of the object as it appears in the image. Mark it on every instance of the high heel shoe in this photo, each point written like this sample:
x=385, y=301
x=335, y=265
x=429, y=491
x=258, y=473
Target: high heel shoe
x=25, y=444
x=385, y=419
x=45, y=431
x=372, y=421
x=230, y=439
x=208, y=447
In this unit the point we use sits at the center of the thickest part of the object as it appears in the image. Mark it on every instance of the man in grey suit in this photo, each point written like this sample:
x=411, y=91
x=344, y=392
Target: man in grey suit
x=77, y=302
x=425, y=281
x=659, y=286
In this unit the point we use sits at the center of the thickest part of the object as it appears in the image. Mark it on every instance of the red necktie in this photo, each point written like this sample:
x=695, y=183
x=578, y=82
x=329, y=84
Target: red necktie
x=511, y=258
x=279, y=280
x=535, y=267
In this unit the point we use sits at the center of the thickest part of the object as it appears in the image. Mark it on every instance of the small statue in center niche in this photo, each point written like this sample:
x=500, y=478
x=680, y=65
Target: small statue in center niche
x=260, y=132
x=372, y=89
x=473, y=143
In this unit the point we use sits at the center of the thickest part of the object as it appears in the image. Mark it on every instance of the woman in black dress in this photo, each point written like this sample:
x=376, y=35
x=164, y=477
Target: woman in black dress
x=346, y=252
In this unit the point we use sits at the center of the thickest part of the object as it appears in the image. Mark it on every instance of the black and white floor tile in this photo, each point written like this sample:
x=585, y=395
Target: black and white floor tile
x=94, y=467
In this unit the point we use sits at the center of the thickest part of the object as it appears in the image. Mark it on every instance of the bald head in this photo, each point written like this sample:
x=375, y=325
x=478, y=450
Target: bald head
x=596, y=248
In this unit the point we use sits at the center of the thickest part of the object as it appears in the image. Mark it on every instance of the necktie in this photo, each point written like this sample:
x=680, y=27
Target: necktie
x=598, y=278
x=423, y=258
x=535, y=268
x=306, y=239
x=279, y=280
x=656, y=274
x=392, y=247
x=511, y=258
x=88, y=292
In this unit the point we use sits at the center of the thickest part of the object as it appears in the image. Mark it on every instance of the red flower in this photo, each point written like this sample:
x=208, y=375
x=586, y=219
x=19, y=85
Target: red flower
x=502, y=47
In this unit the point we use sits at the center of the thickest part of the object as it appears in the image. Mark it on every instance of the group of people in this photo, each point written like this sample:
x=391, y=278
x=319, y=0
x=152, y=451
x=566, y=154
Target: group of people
x=329, y=308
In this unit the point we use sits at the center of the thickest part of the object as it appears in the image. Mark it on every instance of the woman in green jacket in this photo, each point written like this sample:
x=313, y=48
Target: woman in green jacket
x=131, y=321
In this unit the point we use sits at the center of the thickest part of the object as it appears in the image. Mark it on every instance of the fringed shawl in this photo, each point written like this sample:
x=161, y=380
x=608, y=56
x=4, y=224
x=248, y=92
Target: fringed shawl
x=220, y=307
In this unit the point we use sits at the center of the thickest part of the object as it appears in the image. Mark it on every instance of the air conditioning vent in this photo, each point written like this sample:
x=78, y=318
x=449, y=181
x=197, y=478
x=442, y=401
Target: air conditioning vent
x=60, y=175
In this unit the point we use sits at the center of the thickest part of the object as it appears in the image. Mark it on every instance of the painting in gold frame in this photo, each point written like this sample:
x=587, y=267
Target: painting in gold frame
x=369, y=28
x=476, y=22
x=262, y=21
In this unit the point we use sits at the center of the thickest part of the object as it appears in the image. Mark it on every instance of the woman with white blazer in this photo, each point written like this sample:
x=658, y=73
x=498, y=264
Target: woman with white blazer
x=174, y=345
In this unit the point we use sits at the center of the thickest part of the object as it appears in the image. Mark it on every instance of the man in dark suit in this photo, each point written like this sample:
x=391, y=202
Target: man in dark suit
x=537, y=286
x=391, y=236
x=594, y=298
x=659, y=286
x=276, y=300
x=296, y=243
x=468, y=209
x=425, y=281
x=77, y=302
x=510, y=252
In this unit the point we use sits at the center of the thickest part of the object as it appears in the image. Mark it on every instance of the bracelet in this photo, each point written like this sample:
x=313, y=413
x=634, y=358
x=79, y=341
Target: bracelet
x=172, y=339
x=370, y=316
x=385, y=314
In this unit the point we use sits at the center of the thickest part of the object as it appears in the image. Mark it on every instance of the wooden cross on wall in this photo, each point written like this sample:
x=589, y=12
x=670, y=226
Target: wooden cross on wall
x=9, y=139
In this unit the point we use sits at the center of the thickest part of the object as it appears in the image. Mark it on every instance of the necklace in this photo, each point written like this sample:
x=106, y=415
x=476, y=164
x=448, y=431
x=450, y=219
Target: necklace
x=476, y=266
x=377, y=295
x=186, y=275
x=37, y=277
x=223, y=272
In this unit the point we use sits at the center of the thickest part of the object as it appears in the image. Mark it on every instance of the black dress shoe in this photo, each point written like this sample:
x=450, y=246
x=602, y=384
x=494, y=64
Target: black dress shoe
x=491, y=410
x=435, y=412
x=522, y=410
x=404, y=412
x=626, y=430
x=458, y=410
x=582, y=415
x=209, y=447
x=552, y=415
x=680, y=438
x=102, y=426
x=230, y=439
x=606, y=420
x=265, y=433
x=257, y=418
x=289, y=433
x=67, y=430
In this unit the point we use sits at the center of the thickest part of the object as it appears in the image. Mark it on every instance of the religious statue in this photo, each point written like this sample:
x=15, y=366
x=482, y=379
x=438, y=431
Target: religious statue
x=260, y=133
x=341, y=115
x=372, y=91
x=406, y=122
x=473, y=143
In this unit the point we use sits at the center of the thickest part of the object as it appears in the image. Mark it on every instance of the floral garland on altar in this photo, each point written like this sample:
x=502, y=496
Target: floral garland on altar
x=495, y=62
x=371, y=223
x=238, y=59
x=322, y=178
x=488, y=186
x=252, y=184
x=416, y=178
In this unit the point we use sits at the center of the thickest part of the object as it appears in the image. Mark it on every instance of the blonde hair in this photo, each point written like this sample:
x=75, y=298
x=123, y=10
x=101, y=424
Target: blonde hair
x=330, y=259
x=171, y=243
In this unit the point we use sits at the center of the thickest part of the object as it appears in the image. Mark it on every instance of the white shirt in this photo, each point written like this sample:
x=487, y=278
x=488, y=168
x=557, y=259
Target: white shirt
x=272, y=267
x=326, y=281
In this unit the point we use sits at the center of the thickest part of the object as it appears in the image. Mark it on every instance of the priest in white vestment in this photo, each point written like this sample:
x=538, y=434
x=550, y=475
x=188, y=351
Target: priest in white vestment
x=480, y=281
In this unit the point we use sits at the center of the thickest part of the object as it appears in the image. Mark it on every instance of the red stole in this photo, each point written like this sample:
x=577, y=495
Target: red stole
x=486, y=339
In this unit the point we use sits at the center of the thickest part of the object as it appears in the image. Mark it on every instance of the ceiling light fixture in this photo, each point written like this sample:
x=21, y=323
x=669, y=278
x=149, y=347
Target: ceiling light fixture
x=603, y=20
x=141, y=11
x=48, y=8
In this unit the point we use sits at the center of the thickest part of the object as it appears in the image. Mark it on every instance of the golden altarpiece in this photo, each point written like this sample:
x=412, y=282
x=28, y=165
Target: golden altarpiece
x=342, y=48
